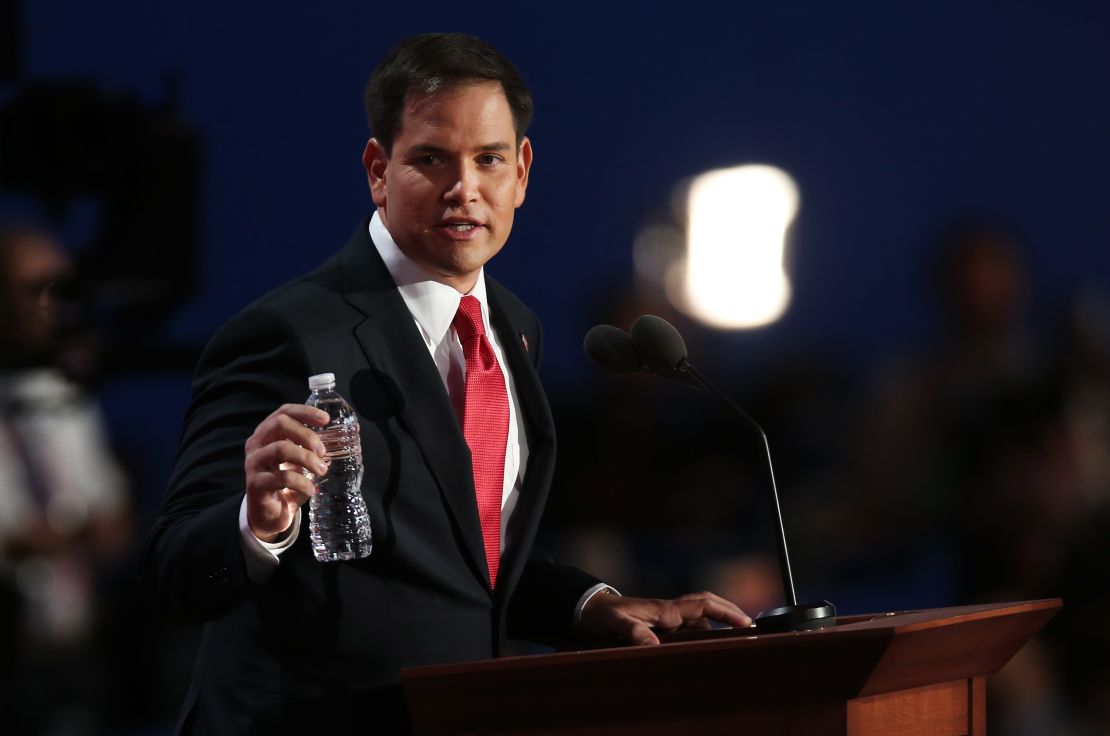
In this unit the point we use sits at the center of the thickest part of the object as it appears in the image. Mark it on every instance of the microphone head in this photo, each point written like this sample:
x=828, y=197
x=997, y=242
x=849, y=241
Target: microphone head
x=658, y=344
x=612, y=349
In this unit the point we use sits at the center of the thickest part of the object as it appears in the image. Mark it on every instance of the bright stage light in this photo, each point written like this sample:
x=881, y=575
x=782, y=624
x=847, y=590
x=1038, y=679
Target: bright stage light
x=733, y=275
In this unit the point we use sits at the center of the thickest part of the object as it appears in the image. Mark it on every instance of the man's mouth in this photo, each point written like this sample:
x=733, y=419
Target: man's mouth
x=460, y=227
x=460, y=221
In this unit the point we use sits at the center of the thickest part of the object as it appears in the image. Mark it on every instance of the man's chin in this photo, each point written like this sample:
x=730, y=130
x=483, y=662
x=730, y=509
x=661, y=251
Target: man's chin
x=469, y=257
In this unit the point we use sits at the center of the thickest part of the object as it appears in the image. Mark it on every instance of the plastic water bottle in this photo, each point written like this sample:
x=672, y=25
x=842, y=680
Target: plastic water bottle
x=338, y=523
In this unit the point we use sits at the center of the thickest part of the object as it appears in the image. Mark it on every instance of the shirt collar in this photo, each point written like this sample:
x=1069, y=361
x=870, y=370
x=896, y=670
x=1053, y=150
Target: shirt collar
x=433, y=304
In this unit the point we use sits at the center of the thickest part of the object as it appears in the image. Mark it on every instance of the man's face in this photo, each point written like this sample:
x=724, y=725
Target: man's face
x=449, y=191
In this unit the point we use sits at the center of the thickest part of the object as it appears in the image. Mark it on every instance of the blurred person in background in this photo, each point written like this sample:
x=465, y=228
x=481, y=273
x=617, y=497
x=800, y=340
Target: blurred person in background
x=1079, y=638
x=64, y=504
x=971, y=459
x=939, y=408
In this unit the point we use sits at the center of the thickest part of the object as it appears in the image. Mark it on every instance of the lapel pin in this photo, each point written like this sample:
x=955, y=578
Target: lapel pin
x=524, y=341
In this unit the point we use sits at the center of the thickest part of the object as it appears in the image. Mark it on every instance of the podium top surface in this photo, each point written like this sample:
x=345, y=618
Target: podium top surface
x=861, y=656
x=875, y=626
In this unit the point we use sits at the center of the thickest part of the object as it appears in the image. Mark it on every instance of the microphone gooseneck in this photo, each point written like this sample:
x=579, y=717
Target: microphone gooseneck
x=661, y=348
x=780, y=538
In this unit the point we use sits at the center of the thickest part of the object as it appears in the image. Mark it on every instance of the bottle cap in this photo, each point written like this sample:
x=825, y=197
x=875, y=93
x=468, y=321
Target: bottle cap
x=321, y=380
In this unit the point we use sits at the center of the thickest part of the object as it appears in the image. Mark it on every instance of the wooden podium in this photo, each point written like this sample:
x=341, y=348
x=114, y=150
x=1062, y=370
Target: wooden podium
x=919, y=673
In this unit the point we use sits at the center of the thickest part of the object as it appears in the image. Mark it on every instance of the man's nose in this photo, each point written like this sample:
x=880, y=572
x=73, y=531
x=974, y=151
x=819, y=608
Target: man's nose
x=464, y=189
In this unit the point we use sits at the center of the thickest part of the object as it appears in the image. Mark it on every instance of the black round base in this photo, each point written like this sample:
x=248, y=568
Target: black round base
x=802, y=617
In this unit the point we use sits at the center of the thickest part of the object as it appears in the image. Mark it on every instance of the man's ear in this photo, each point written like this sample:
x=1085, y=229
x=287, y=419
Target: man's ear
x=523, y=166
x=375, y=160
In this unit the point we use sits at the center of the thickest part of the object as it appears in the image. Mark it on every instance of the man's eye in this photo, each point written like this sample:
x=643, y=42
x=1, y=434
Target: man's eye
x=429, y=160
x=488, y=159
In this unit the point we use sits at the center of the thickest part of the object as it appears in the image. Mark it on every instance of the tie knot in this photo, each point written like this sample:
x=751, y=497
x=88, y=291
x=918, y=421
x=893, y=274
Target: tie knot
x=468, y=320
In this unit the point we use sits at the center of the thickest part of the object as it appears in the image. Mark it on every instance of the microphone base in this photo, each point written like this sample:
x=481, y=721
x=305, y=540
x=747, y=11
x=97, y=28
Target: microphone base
x=802, y=617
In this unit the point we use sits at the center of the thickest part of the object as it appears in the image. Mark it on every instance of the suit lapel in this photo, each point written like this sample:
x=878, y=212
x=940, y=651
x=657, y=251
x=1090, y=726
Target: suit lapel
x=392, y=344
x=541, y=436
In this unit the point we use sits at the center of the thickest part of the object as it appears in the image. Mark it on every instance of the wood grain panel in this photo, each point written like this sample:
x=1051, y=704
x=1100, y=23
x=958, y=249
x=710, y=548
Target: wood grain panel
x=934, y=710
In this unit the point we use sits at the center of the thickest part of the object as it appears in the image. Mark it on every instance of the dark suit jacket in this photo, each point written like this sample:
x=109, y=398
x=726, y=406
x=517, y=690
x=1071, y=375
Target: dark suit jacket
x=327, y=641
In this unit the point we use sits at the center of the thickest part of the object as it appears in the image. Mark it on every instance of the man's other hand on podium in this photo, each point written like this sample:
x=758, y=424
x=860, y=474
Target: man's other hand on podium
x=636, y=620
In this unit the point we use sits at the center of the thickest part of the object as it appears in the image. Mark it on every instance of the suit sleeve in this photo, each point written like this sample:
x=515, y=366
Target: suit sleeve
x=542, y=607
x=193, y=562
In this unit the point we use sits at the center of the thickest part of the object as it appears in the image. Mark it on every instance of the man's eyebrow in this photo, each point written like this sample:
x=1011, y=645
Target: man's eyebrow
x=420, y=149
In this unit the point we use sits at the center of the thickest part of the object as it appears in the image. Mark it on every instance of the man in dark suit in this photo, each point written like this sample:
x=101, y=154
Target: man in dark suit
x=292, y=643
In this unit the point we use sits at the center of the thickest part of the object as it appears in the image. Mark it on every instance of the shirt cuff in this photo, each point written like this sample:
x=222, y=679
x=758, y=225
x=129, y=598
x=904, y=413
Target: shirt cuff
x=263, y=557
x=590, y=593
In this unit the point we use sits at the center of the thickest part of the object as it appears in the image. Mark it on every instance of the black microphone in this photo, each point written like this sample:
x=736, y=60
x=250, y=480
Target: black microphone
x=661, y=348
x=613, y=349
x=658, y=343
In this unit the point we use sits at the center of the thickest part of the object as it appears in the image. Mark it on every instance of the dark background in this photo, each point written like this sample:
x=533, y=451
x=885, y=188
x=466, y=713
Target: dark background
x=891, y=117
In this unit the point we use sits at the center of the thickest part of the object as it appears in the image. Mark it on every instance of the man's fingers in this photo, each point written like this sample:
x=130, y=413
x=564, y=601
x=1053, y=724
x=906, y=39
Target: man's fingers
x=714, y=607
x=680, y=612
x=271, y=457
x=297, y=495
x=640, y=633
x=634, y=619
x=717, y=611
x=698, y=623
x=294, y=482
x=275, y=481
x=302, y=413
x=288, y=422
x=726, y=613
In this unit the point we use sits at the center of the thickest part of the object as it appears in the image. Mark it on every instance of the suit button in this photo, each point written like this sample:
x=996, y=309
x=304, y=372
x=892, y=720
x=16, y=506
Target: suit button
x=221, y=576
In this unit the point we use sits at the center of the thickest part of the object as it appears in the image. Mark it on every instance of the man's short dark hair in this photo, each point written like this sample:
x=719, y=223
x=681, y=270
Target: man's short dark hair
x=434, y=61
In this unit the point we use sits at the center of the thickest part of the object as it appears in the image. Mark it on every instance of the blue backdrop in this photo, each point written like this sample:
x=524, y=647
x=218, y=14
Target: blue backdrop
x=889, y=115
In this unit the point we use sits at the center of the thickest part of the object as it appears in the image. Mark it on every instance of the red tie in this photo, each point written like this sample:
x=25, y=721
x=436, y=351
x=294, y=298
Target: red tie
x=485, y=424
